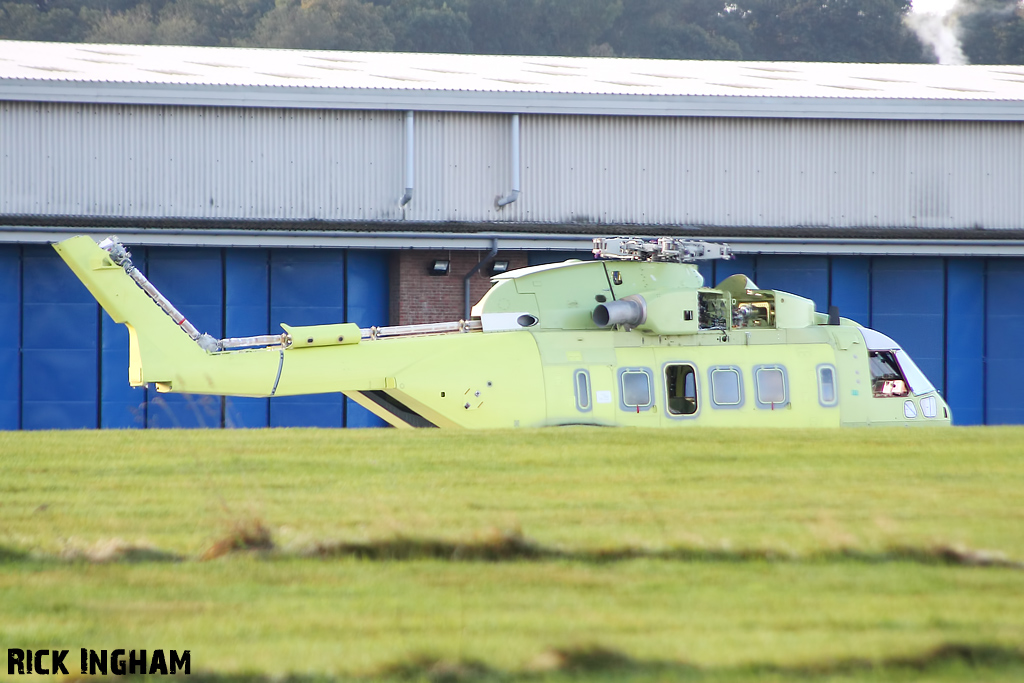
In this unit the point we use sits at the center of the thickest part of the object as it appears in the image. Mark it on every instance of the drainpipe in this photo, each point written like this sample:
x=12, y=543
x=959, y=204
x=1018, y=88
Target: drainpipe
x=514, y=194
x=409, y=158
x=465, y=281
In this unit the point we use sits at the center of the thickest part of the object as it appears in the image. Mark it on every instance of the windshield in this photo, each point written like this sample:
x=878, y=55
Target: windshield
x=886, y=377
x=888, y=359
x=919, y=384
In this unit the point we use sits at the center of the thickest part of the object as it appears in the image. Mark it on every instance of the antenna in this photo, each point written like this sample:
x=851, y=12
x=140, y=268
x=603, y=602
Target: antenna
x=662, y=249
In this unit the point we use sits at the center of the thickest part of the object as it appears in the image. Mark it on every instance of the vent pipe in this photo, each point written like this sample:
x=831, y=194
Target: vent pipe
x=514, y=194
x=465, y=281
x=409, y=159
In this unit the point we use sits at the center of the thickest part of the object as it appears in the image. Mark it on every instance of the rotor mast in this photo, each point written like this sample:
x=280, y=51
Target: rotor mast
x=663, y=249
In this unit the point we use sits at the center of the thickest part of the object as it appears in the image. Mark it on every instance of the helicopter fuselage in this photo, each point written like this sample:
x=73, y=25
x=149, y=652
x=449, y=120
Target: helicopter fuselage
x=635, y=343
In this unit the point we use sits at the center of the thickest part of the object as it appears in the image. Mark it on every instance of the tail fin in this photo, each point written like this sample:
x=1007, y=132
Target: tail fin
x=163, y=346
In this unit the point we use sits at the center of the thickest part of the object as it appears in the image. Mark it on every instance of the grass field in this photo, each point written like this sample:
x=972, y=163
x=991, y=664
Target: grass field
x=560, y=554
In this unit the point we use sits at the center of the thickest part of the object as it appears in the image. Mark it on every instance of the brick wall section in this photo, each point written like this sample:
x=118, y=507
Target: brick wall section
x=418, y=297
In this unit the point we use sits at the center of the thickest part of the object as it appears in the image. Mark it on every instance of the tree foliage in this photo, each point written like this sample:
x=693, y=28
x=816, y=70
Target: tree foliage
x=428, y=25
x=27, y=21
x=834, y=31
x=991, y=31
x=323, y=25
x=680, y=29
x=540, y=27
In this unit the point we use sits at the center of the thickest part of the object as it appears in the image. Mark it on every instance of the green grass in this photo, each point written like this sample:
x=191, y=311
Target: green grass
x=825, y=555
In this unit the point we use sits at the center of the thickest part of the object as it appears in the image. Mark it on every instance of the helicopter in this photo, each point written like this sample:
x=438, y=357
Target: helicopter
x=633, y=338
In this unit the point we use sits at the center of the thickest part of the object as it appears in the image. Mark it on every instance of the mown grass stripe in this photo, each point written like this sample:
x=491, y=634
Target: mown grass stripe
x=598, y=663
x=252, y=538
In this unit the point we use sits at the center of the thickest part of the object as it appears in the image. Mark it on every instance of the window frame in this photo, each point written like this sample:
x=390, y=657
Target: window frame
x=929, y=406
x=637, y=370
x=582, y=372
x=739, y=383
x=696, y=388
x=835, y=385
x=888, y=360
x=910, y=410
x=757, y=387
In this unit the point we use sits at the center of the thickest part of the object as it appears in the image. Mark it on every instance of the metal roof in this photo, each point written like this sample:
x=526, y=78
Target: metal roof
x=170, y=75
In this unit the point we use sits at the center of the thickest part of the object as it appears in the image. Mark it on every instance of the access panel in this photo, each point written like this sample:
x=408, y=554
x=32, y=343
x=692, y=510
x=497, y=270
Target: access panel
x=908, y=304
x=367, y=304
x=1003, y=334
x=851, y=288
x=805, y=276
x=246, y=314
x=10, y=313
x=965, y=340
x=122, y=406
x=192, y=279
x=60, y=350
x=307, y=287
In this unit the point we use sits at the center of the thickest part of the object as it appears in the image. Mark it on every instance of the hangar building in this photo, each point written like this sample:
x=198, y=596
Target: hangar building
x=266, y=186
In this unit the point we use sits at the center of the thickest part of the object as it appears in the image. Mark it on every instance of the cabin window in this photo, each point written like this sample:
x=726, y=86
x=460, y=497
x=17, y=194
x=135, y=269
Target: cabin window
x=635, y=385
x=770, y=387
x=828, y=396
x=886, y=377
x=681, y=387
x=909, y=410
x=581, y=386
x=928, y=406
x=726, y=387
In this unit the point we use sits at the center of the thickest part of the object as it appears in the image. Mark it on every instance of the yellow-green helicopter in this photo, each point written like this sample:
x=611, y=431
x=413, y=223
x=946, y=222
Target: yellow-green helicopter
x=633, y=339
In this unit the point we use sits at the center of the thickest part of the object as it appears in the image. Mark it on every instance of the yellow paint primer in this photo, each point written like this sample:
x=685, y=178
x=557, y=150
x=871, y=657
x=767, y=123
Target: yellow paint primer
x=541, y=360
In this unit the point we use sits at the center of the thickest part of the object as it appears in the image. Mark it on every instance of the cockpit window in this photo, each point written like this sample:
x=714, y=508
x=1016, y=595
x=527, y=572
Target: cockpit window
x=886, y=377
x=917, y=380
x=910, y=373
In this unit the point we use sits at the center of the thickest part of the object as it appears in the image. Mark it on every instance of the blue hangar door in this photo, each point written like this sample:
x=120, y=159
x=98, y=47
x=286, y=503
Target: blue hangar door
x=64, y=365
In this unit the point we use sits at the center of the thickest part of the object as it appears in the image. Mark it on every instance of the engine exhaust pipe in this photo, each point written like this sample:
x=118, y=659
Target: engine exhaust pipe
x=629, y=311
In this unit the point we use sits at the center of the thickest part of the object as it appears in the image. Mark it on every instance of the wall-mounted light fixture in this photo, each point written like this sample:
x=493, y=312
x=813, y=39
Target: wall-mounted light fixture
x=440, y=267
x=498, y=267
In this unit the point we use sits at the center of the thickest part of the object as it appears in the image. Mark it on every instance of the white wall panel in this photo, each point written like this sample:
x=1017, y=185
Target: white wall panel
x=462, y=166
x=774, y=173
x=190, y=162
x=332, y=165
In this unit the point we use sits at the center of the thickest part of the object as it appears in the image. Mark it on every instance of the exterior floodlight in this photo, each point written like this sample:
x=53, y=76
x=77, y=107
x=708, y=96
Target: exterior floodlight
x=499, y=267
x=440, y=267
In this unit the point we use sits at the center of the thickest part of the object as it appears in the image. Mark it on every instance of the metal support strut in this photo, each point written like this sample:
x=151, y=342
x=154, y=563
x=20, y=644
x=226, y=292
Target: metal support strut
x=120, y=256
x=466, y=280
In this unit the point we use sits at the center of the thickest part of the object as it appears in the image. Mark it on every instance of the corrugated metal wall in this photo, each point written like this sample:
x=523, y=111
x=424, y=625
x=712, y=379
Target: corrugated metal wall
x=773, y=172
x=271, y=164
x=64, y=363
